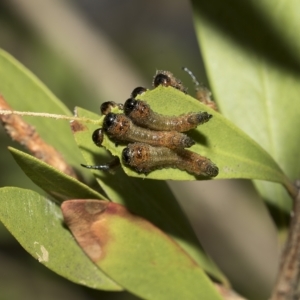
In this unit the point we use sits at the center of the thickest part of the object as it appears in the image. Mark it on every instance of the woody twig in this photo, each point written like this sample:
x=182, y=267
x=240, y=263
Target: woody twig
x=26, y=135
x=287, y=284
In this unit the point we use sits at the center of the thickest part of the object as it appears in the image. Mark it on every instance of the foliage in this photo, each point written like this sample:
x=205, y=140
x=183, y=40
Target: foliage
x=255, y=137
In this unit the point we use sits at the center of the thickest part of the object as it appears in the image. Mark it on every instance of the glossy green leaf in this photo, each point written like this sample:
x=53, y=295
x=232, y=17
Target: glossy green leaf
x=58, y=184
x=135, y=253
x=25, y=92
x=150, y=199
x=254, y=74
x=16, y=83
x=37, y=224
x=236, y=155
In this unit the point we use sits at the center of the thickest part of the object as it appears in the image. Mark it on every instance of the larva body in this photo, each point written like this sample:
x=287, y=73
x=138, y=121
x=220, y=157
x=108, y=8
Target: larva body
x=121, y=129
x=144, y=158
x=141, y=114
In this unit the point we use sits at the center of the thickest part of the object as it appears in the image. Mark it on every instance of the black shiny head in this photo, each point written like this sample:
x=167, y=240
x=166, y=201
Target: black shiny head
x=161, y=79
x=129, y=105
x=138, y=91
x=106, y=107
x=109, y=120
x=126, y=156
x=98, y=137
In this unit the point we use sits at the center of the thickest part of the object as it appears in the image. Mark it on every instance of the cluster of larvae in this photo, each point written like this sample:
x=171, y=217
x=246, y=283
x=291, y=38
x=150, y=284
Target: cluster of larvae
x=154, y=141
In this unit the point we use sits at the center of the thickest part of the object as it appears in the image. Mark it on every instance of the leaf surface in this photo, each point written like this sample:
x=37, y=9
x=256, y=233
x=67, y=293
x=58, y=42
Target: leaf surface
x=57, y=184
x=37, y=224
x=236, y=155
x=25, y=92
x=254, y=73
x=150, y=199
x=135, y=253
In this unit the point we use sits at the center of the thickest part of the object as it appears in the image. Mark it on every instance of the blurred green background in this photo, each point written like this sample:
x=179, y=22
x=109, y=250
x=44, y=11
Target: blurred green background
x=92, y=51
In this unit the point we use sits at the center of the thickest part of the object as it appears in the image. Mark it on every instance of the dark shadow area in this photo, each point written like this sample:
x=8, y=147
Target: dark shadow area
x=198, y=137
x=90, y=183
x=281, y=219
x=246, y=26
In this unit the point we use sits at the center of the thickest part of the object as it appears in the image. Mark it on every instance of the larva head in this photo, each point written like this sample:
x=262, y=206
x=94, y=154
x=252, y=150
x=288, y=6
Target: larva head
x=161, y=79
x=98, y=137
x=107, y=106
x=129, y=105
x=136, y=156
x=166, y=78
x=126, y=156
x=138, y=91
x=138, y=111
x=109, y=121
x=116, y=125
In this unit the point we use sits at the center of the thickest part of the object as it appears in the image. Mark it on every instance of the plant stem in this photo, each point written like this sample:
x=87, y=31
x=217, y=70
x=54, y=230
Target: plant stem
x=286, y=287
x=46, y=115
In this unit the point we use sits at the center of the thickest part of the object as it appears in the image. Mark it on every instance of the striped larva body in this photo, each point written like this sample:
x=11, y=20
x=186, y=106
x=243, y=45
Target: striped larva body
x=121, y=129
x=144, y=158
x=142, y=115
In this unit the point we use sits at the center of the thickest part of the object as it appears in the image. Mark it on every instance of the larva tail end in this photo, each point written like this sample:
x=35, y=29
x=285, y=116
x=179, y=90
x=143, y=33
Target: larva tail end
x=188, y=142
x=204, y=117
x=211, y=170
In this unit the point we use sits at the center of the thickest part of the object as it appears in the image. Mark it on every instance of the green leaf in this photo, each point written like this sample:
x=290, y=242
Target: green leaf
x=150, y=199
x=57, y=184
x=236, y=155
x=135, y=253
x=283, y=18
x=25, y=92
x=255, y=77
x=37, y=224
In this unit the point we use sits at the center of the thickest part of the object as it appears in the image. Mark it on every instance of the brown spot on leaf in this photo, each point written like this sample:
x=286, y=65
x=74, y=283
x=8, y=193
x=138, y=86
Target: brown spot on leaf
x=115, y=209
x=77, y=126
x=105, y=232
x=95, y=207
x=83, y=217
x=90, y=220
